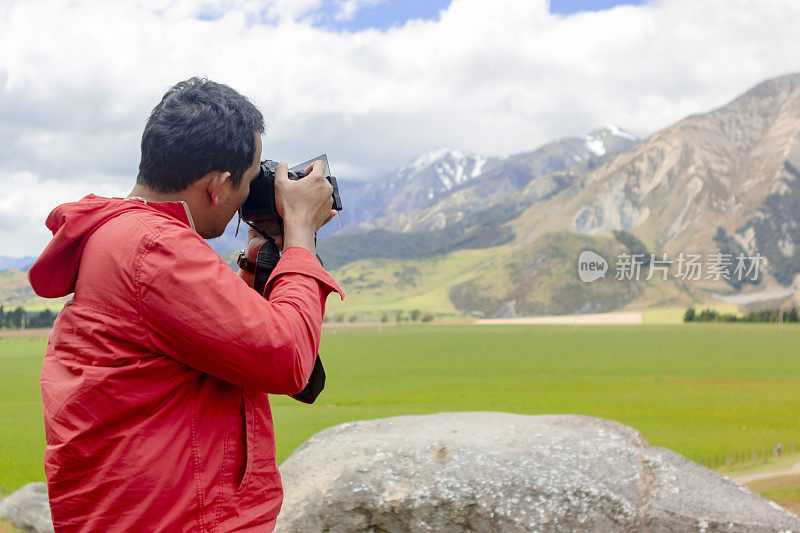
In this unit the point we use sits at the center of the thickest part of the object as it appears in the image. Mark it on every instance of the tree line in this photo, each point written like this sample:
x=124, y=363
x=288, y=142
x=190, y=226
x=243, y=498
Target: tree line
x=384, y=316
x=766, y=315
x=19, y=318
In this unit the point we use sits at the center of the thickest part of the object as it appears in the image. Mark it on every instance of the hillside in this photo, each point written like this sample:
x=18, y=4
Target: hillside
x=535, y=278
x=15, y=291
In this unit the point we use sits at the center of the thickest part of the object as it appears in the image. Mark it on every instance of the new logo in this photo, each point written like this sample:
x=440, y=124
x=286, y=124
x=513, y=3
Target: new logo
x=591, y=266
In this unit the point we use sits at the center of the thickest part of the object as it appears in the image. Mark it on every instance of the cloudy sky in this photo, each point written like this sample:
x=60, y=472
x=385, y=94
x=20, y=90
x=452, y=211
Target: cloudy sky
x=373, y=83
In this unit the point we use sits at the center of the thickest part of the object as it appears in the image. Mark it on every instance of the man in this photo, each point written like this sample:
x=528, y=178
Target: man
x=156, y=374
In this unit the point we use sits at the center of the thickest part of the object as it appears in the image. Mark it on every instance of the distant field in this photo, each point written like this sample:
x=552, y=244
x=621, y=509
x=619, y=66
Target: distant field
x=704, y=390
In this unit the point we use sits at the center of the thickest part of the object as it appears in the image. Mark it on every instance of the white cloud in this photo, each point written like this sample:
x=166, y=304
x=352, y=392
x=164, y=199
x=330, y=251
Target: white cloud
x=26, y=201
x=78, y=78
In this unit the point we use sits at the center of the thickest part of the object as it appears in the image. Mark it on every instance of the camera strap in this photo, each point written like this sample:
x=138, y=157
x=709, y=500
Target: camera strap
x=267, y=259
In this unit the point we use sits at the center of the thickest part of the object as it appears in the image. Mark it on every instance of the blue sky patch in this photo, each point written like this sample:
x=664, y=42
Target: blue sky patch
x=381, y=16
x=567, y=7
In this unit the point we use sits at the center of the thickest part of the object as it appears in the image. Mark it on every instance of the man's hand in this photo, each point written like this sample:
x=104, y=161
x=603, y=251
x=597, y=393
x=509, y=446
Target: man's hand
x=304, y=204
x=254, y=241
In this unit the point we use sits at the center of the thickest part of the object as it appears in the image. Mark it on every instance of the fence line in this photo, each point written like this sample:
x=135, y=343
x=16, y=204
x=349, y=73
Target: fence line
x=748, y=456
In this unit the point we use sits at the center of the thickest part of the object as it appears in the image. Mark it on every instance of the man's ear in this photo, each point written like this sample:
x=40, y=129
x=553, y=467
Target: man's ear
x=215, y=184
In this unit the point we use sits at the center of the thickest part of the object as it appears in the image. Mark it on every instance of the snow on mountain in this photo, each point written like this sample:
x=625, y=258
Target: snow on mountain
x=428, y=159
x=617, y=132
x=608, y=139
x=451, y=166
x=595, y=146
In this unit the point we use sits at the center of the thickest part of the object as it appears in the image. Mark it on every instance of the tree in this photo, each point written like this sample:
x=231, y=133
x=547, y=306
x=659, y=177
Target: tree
x=634, y=245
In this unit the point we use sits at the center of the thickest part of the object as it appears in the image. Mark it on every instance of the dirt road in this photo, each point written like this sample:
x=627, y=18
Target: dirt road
x=36, y=332
x=568, y=320
x=749, y=478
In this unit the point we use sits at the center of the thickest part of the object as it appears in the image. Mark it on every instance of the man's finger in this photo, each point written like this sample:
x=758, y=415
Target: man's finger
x=330, y=216
x=253, y=245
x=282, y=171
x=317, y=166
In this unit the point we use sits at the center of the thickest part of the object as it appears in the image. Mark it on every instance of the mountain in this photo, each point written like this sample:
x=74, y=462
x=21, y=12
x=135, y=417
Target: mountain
x=417, y=185
x=444, y=186
x=16, y=263
x=726, y=181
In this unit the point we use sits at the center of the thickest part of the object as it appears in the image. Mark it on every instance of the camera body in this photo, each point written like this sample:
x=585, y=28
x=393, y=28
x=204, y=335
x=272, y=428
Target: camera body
x=259, y=207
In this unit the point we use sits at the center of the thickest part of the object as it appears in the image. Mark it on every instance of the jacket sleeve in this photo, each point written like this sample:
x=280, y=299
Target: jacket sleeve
x=199, y=312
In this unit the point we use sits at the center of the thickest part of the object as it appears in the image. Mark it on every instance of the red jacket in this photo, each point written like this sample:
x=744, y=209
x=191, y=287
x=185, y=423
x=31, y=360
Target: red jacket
x=156, y=374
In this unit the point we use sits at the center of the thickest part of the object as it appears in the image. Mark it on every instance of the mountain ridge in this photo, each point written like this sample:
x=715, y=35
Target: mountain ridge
x=16, y=263
x=506, y=174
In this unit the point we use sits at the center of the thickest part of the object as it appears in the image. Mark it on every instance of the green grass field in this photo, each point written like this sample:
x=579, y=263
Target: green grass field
x=21, y=426
x=703, y=390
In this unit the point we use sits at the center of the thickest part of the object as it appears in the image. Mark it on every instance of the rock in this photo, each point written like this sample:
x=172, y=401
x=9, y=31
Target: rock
x=503, y=472
x=28, y=508
x=507, y=310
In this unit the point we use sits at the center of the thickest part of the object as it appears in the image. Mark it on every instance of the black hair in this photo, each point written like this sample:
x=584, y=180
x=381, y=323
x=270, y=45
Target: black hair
x=198, y=126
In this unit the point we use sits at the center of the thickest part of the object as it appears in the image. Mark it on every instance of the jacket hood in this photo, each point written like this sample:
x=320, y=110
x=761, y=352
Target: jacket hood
x=55, y=271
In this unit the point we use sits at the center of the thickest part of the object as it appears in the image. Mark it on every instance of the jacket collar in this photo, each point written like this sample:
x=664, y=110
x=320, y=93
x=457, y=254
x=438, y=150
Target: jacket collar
x=179, y=210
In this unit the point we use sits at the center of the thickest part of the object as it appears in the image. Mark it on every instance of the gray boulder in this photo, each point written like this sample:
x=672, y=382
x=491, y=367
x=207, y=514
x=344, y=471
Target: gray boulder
x=502, y=472
x=28, y=508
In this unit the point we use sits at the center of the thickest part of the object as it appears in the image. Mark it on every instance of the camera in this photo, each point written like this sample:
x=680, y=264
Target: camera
x=259, y=208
